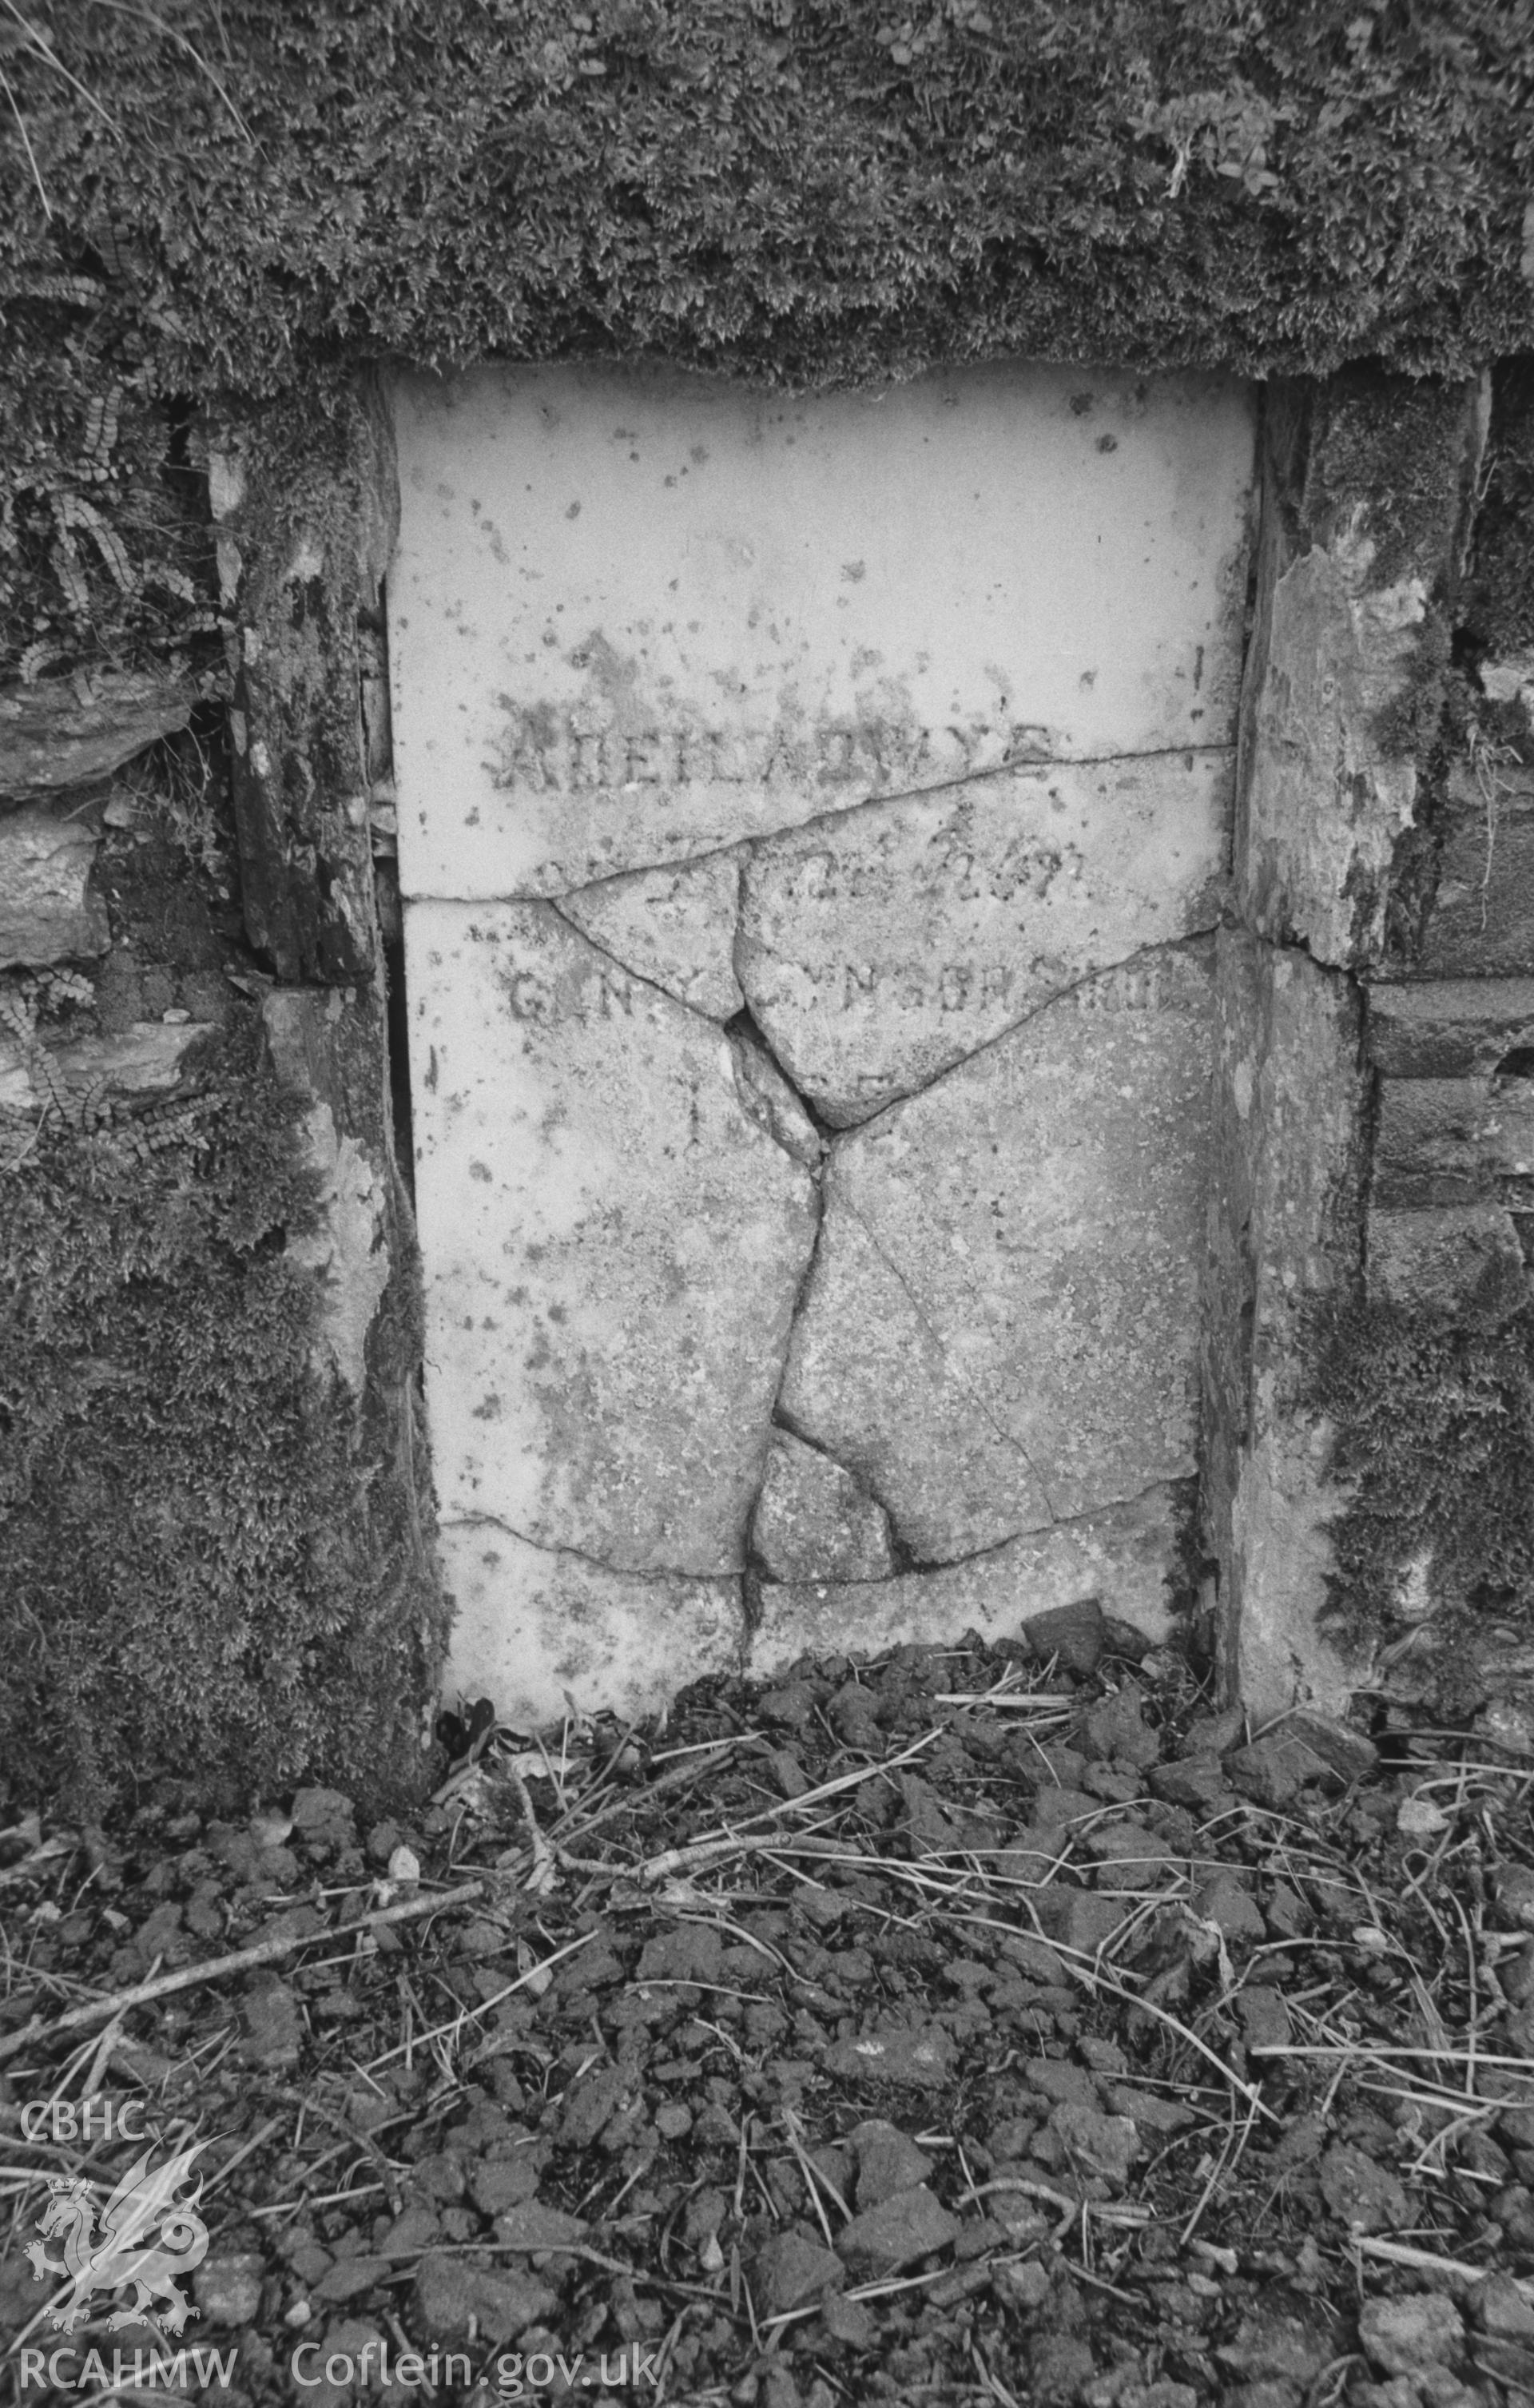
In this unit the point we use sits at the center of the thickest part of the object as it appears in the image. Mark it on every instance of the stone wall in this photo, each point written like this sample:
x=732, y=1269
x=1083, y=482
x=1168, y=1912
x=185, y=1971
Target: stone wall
x=214, y=1506
x=1375, y=1130
x=893, y=1117
x=813, y=823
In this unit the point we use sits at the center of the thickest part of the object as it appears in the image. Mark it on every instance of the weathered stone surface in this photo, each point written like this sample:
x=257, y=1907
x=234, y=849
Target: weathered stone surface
x=1450, y=1141
x=1285, y=1227
x=638, y=615
x=1362, y=2194
x=272, y=2030
x=136, y=1061
x=1403, y=2336
x=614, y=1245
x=1286, y=2337
x=46, y=913
x=299, y=557
x=349, y=1246
x=676, y=928
x=1449, y=1028
x=1000, y=1327
x=1123, y=1555
x=532, y=2228
x=790, y=2267
x=880, y=947
x=453, y=2298
x=1093, y=2144
x=919, y=2058
x=1345, y=581
x=814, y=1522
x=533, y=1625
x=227, y=2288
x=1481, y=921
x=767, y=1098
x=908, y=2225
x=1075, y=1635
x=888, y=2160
x=53, y=735
x=1459, y=1263
x=1326, y=804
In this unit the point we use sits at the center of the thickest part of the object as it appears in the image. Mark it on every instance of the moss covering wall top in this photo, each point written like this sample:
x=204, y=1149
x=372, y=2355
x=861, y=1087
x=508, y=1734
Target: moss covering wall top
x=809, y=189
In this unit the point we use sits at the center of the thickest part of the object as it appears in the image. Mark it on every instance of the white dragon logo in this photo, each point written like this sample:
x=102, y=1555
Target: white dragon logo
x=122, y=2252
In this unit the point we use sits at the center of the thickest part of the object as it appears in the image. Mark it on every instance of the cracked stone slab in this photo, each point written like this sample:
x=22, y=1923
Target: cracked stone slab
x=1122, y=1557
x=880, y=948
x=1001, y=1326
x=613, y=1245
x=47, y=912
x=676, y=928
x=769, y=1100
x=814, y=1522
x=535, y=1628
x=635, y=614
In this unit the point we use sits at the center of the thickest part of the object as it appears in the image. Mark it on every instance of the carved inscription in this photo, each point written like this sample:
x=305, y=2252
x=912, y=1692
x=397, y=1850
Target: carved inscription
x=538, y=751
x=540, y=1000
x=911, y=987
x=882, y=945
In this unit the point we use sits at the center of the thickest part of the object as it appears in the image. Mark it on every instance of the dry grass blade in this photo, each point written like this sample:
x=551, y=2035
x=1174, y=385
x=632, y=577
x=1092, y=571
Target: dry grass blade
x=1387, y=2048
x=26, y=144
x=45, y=51
x=1426, y=2261
x=476, y=2015
x=148, y=16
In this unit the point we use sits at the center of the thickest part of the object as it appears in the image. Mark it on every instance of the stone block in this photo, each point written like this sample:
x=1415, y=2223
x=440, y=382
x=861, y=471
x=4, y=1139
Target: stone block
x=1459, y=1263
x=141, y=1060
x=881, y=946
x=614, y=1243
x=1125, y=1555
x=1000, y=1327
x=534, y=1624
x=1286, y=1228
x=1449, y=1028
x=299, y=554
x=54, y=735
x=1450, y=1141
x=1346, y=584
x=637, y=615
x=47, y=912
x=813, y=1522
x=1481, y=922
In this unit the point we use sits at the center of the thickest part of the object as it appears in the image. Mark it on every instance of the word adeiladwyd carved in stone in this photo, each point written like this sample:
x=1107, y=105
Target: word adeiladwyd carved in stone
x=538, y=754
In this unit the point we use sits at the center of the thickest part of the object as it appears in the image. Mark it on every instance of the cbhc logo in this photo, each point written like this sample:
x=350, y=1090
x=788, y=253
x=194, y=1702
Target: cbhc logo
x=93, y=2119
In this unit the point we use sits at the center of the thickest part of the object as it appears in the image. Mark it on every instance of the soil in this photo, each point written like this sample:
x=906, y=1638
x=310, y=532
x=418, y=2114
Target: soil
x=972, y=2026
